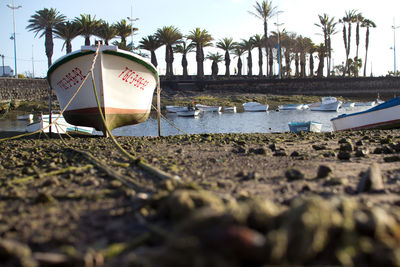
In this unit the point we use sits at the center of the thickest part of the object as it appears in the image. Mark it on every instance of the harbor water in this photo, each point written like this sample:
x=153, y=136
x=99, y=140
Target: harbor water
x=213, y=122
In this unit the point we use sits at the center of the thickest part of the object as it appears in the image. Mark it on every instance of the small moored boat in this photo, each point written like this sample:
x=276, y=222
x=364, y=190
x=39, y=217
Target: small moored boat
x=383, y=116
x=230, y=109
x=26, y=117
x=305, y=126
x=189, y=113
x=255, y=106
x=59, y=125
x=328, y=103
x=175, y=109
x=206, y=108
x=292, y=107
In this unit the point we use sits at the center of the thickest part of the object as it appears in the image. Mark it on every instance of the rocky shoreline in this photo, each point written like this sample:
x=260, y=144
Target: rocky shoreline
x=227, y=200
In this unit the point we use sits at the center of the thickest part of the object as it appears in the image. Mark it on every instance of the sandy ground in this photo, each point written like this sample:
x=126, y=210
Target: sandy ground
x=213, y=200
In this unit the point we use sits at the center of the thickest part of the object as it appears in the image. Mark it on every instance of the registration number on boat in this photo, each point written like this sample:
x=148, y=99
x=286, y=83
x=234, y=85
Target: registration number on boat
x=133, y=78
x=71, y=78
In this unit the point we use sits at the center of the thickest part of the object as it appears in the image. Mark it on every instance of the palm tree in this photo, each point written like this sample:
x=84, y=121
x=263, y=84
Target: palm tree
x=311, y=50
x=264, y=11
x=67, y=31
x=328, y=27
x=216, y=58
x=259, y=42
x=248, y=45
x=45, y=21
x=168, y=36
x=367, y=24
x=348, y=19
x=184, y=48
x=150, y=43
x=200, y=38
x=321, y=50
x=88, y=26
x=227, y=44
x=106, y=32
x=123, y=31
x=303, y=46
x=358, y=19
x=238, y=51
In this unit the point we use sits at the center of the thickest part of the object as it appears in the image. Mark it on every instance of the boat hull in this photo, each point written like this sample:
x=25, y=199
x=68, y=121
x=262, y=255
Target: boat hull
x=59, y=125
x=384, y=116
x=124, y=83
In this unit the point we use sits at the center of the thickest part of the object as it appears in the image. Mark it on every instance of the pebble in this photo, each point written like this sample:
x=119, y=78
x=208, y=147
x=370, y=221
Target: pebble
x=293, y=174
x=371, y=181
x=323, y=171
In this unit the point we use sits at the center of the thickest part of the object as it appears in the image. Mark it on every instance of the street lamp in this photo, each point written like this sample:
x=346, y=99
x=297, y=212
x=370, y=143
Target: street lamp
x=13, y=37
x=394, y=46
x=131, y=19
x=279, y=48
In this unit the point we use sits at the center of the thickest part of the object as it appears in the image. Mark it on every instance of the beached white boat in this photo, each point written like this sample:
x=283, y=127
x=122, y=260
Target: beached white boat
x=125, y=84
x=292, y=107
x=305, y=126
x=383, y=116
x=230, y=109
x=26, y=117
x=189, y=113
x=175, y=109
x=206, y=108
x=58, y=125
x=255, y=106
x=328, y=103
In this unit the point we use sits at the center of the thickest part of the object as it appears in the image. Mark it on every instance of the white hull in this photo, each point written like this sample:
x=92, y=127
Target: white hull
x=327, y=104
x=230, y=109
x=175, y=109
x=58, y=126
x=27, y=117
x=189, y=113
x=384, y=116
x=125, y=85
x=208, y=108
x=255, y=107
x=348, y=105
x=292, y=107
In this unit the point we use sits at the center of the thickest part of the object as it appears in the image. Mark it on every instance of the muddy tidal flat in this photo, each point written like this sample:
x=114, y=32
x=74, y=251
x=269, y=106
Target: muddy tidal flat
x=224, y=200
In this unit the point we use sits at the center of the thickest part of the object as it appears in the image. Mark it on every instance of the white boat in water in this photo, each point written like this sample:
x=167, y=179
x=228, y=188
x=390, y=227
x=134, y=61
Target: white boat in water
x=292, y=107
x=206, y=108
x=125, y=84
x=26, y=117
x=348, y=104
x=189, y=113
x=328, y=103
x=59, y=125
x=255, y=106
x=305, y=126
x=175, y=109
x=383, y=116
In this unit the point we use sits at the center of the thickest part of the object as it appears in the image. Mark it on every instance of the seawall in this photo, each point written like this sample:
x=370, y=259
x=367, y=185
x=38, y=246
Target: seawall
x=387, y=87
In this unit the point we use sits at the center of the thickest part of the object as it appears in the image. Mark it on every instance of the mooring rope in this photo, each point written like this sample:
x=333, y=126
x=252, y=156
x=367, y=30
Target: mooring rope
x=170, y=122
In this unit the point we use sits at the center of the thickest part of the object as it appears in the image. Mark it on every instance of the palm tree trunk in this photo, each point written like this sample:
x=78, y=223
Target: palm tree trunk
x=87, y=40
x=266, y=44
x=200, y=60
x=311, y=65
x=184, y=65
x=154, y=58
x=260, y=61
x=49, y=46
x=366, y=52
x=249, y=64
x=227, y=63
x=270, y=62
x=239, y=66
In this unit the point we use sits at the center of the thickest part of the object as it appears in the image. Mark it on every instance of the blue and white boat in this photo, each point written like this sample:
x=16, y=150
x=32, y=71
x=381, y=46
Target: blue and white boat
x=383, y=116
x=305, y=126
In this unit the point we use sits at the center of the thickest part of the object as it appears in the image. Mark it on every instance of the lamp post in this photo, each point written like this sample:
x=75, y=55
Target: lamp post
x=13, y=37
x=279, y=47
x=131, y=19
x=394, y=46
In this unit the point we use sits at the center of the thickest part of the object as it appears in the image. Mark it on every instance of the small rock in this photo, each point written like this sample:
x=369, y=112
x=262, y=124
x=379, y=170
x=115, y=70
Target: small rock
x=295, y=154
x=361, y=153
x=293, y=174
x=280, y=153
x=371, y=180
x=44, y=198
x=323, y=171
x=344, y=155
x=346, y=147
x=392, y=159
x=319, y=147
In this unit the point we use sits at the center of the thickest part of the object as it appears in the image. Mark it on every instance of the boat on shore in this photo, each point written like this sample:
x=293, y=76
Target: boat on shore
x=305, y=126
x=328, y=103
x=206, y=108
x=59, y=125
x=255, y=107
x=383, y=116
x=124, y=81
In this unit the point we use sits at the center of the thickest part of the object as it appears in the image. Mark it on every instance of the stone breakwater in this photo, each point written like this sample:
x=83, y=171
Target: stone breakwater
x=235, y=200
x=369, y=87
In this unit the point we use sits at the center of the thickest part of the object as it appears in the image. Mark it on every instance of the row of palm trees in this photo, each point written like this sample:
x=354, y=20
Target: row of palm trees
x=294, y=50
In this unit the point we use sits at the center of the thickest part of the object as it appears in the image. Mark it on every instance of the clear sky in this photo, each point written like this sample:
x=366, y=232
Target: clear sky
x=221, y=18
